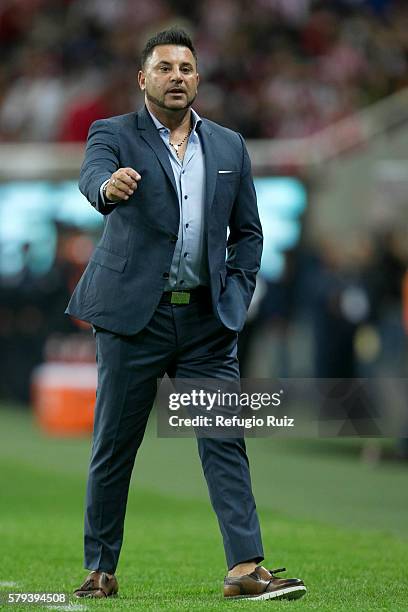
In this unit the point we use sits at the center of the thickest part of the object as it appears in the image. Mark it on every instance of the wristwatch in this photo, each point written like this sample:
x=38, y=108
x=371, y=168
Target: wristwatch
x=104, y=188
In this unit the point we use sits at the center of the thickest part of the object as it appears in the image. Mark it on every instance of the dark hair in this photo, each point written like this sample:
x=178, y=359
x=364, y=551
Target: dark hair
x=173, y=36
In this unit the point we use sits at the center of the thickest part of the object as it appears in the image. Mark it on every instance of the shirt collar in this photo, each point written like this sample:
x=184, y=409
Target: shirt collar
x=197, y=121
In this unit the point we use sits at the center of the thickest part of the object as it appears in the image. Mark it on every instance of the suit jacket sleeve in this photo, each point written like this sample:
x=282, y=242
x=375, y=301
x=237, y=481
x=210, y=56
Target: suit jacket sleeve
x=101, y=160
x=245, y=240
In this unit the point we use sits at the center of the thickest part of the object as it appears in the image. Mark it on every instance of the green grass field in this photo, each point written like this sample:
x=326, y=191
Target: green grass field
x=331, y=519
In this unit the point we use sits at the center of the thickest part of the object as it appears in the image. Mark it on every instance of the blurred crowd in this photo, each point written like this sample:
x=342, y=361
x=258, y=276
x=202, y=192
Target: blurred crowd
x=33, y=326
x=270, y=68
x=353, y=302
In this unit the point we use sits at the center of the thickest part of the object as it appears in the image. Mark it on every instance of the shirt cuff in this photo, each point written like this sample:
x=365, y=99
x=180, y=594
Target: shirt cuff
x=104, y=200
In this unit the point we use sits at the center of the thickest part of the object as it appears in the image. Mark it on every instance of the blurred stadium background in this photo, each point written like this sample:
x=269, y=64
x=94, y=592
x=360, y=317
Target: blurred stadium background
x=320, y=92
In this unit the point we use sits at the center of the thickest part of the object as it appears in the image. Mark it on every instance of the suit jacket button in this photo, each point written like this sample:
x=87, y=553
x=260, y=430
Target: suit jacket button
x=173, y=239
x=166, y=275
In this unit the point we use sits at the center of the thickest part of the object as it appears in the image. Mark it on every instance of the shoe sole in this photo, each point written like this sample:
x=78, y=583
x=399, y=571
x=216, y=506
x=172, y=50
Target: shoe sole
x=290, y=593
x=89, y=595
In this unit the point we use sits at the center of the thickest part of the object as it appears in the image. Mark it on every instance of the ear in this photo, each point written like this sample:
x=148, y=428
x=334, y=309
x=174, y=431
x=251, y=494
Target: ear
x=141, y=79
x=198, y=79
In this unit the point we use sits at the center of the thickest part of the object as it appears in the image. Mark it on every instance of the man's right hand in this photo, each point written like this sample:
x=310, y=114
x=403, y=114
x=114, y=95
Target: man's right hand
x=122, y=184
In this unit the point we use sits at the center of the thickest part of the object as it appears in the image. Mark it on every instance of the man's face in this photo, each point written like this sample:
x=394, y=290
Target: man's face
x=170, y=77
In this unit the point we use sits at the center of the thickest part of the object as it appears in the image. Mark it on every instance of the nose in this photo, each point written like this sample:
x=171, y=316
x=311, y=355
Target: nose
x=176, y=75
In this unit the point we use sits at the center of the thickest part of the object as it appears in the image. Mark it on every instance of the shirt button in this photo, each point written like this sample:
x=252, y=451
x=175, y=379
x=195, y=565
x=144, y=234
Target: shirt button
x=166, y=275
x=185, y=254
x=185, y=197
x=187, y=225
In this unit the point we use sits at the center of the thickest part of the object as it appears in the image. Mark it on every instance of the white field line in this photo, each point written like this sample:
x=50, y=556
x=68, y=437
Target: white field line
x=68, y=608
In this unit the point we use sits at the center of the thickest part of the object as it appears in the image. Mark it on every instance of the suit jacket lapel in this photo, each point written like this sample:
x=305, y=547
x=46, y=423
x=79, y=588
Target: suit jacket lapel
x=210, y=161
x=151, y=135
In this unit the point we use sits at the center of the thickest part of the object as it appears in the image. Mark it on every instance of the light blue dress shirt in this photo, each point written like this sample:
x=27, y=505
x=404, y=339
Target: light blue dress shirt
x=189, y=266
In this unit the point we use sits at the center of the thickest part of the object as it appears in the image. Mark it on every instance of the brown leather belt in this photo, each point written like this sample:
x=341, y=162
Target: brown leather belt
x=188, y=296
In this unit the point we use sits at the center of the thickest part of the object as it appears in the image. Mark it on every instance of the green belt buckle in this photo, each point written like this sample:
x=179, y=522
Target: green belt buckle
x=180, y=297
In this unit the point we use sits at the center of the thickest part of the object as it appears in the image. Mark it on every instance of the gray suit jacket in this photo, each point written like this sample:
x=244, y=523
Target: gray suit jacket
x=124, y=280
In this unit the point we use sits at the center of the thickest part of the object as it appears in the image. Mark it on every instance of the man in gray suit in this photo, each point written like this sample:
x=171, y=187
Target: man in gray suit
x=163, y=298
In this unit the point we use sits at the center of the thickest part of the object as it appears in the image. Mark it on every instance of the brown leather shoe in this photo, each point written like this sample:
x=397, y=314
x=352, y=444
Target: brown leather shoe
x=98, y=584
x=263, y=584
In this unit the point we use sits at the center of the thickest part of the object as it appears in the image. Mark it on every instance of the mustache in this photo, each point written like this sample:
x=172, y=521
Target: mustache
x=161, y=102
